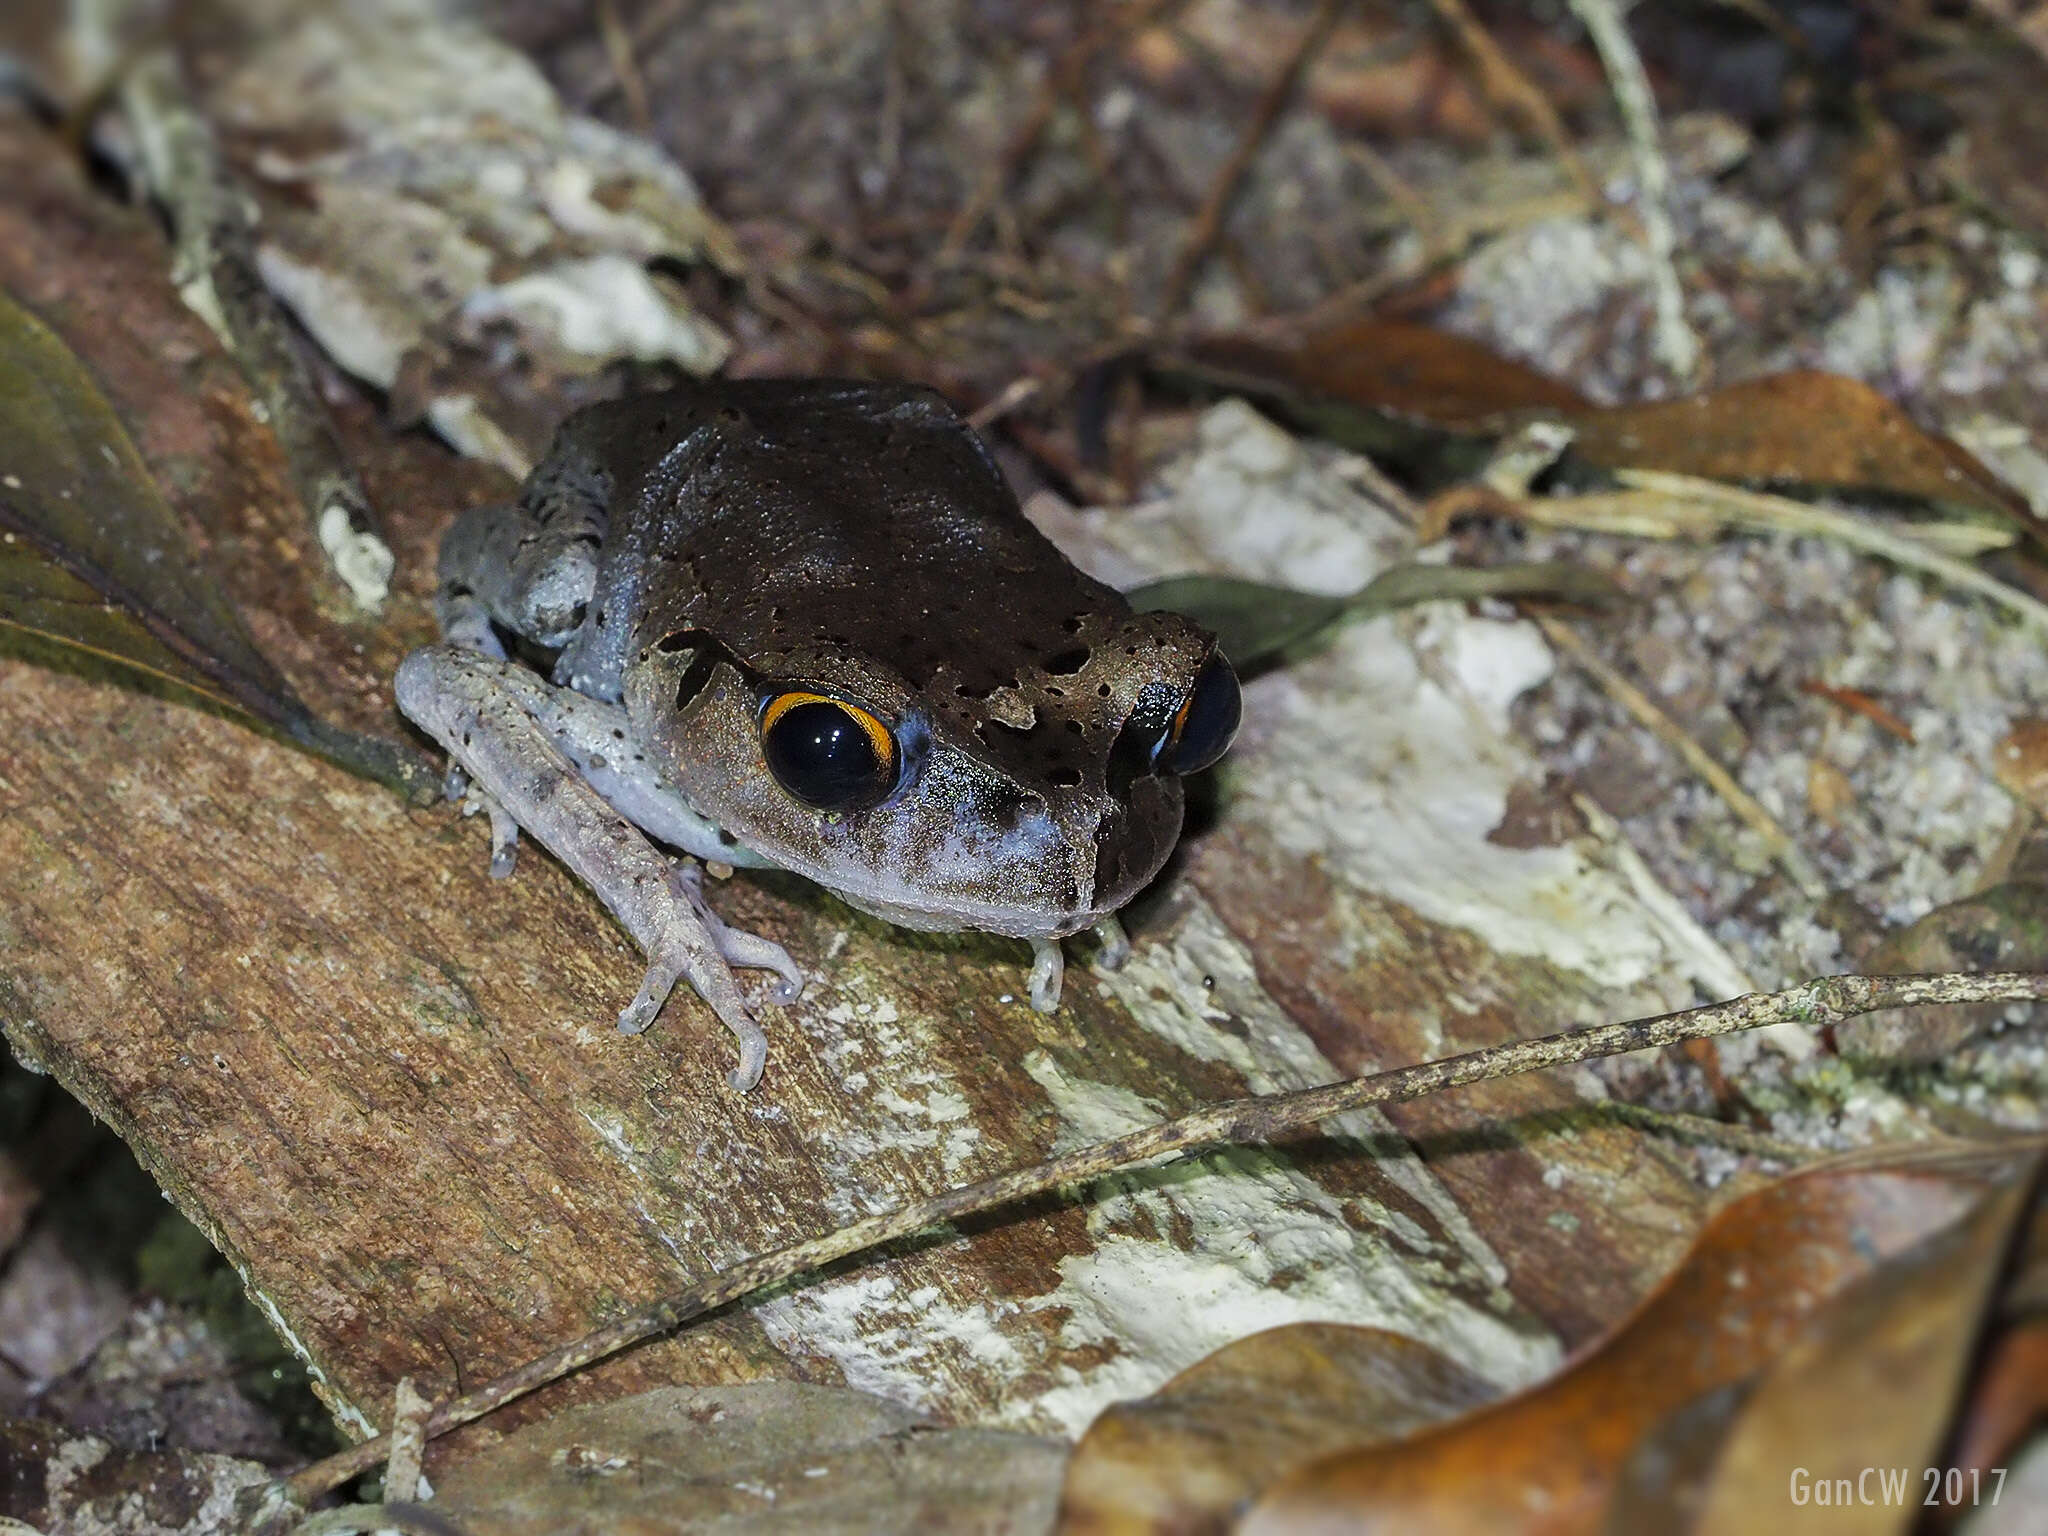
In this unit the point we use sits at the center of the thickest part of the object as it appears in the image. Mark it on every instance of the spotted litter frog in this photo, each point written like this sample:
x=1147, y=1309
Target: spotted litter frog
x=804, y=624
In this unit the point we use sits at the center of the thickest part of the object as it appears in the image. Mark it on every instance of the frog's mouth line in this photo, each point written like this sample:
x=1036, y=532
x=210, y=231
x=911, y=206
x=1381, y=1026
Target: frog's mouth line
x=1003, y=922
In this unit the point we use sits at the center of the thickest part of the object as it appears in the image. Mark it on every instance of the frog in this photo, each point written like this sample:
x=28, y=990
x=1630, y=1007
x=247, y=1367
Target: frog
x=804, y=624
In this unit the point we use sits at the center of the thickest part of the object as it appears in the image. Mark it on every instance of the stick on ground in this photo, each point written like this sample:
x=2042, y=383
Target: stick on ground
x=1828, y=1000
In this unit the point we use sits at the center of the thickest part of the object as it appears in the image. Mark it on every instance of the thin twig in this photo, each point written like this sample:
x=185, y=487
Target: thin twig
x=1651, y=715
x=1207, y=224
x=410, y=1411
x=215, y=268
x=1780, y=514
x=618, y=52
x=1825, y=1001
x=1674, y=343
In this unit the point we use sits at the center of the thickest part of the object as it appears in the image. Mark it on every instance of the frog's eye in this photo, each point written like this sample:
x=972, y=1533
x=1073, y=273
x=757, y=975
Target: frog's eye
x=826, y=752
x=1206, y=721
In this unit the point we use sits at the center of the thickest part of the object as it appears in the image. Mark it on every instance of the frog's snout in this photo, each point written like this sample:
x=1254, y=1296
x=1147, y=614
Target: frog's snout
x=1133, y=840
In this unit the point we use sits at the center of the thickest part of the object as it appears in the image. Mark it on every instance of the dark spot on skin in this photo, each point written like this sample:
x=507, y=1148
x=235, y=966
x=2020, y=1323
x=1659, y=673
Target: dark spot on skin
x=1058, y=693
x=1067, y=662
x=1076, y=727
x=457, y=589
x=618, y=735
x=681, y=640
x=726, y=839
x=600, y=618
x=969, y=691
x=1064, y=778
x=576, y=615
x=1130, y=650
x=1072, y=626
x=1102, y=689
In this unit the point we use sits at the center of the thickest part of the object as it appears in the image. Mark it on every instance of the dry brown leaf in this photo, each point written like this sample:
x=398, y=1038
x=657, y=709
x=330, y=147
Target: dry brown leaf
x=1392, y=366
x=1801, y=431
x=1866, y=1393
x=1377, y=385
x=765, y=1457
x=1186, y=1458
x=2020, y=764
x=1551, y=1459
x=2003, y=928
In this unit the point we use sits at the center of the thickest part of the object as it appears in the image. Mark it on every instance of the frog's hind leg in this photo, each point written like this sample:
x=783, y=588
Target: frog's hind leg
x=1048, y=972
x=474, y=706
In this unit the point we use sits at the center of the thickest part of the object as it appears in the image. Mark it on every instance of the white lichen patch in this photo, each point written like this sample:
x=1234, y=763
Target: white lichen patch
x=1187, y=1259
x=399, y=230
x=900, y=1345
x=902, y=1106
x=1183, y=991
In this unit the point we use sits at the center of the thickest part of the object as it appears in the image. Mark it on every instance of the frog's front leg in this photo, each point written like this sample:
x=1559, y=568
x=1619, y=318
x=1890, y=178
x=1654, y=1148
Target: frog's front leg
x=472, y=705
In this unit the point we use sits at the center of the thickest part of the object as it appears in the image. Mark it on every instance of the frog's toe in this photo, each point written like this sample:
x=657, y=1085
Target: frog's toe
x=757, y=953
x=504, y=831
x=1048, y=970
x=682, y=954
x=738, y=947
x=1115, y=944
x=660, y=980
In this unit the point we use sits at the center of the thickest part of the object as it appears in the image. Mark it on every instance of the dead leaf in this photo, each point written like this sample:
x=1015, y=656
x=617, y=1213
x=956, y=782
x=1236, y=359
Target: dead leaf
x=2004, y=928
x=1434, y=402
x=763, y=1457
x=93, y=560
x=1870, y=1385
x=1800, y=432
x=2020, y=763
x=1552, y=1458
x=1184, y=1459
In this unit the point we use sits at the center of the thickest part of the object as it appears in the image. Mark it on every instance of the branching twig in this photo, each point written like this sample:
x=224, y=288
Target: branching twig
x=1207, y=225
x=1828, y=1000
x=215, y=268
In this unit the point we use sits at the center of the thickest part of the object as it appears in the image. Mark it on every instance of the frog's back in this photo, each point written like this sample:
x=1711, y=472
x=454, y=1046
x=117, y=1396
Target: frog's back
x=799, y=519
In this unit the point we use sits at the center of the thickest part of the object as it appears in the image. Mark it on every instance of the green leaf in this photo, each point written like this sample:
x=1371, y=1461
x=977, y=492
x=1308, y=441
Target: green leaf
x=93, y=560
x=1256, y=624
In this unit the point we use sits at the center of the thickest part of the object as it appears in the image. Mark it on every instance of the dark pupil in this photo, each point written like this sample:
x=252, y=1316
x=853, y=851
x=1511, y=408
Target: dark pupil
x=821, y=755
x=1211, y=722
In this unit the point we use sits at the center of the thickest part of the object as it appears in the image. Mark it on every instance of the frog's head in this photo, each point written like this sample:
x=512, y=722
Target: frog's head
x=939, y=779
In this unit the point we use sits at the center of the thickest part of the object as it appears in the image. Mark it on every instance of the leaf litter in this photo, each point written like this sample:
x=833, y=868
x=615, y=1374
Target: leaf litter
x=1863, y=632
